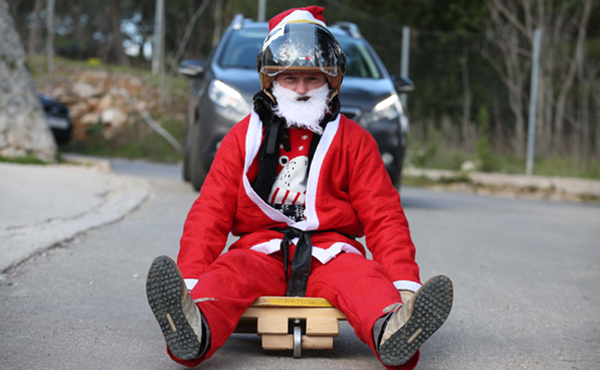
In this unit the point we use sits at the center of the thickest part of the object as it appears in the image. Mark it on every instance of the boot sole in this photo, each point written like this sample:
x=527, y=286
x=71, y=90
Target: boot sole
x=164, y=289
x=431, y=308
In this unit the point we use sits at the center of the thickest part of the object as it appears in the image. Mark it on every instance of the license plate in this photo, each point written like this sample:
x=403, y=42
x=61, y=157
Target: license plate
x=56, y=122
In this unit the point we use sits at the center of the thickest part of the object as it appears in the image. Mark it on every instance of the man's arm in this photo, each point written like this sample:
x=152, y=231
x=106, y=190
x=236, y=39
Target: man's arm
x=211, y=217
x=377, y=204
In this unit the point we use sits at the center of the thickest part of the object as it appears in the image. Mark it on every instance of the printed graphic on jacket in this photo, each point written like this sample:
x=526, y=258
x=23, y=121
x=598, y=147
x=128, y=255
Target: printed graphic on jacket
x=289, y=190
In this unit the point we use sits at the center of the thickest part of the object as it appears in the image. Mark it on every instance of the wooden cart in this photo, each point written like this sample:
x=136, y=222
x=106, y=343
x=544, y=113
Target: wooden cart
x=292, y=323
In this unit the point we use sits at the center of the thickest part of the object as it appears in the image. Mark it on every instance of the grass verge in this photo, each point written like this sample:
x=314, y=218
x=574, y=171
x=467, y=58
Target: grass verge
x=22, y=160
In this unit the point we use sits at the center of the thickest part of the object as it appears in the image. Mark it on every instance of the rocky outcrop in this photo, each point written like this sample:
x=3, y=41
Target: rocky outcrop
x=23, y=127
x=100, y=101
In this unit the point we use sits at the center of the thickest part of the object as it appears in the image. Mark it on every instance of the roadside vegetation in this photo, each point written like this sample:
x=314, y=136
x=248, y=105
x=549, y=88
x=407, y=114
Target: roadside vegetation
x=471, y=62
x=137, y=140
x=434, y=156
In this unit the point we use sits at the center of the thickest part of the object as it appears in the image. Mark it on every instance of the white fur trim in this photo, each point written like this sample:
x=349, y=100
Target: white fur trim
x=190, y=283
x=299, y=15
x=407, y=285
x=253, y=141
x=321, y=254
x=326, y=255
x=312, y=220
x=272, y=246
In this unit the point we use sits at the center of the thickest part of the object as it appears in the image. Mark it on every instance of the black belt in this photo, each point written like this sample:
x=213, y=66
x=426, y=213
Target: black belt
x=301, y=262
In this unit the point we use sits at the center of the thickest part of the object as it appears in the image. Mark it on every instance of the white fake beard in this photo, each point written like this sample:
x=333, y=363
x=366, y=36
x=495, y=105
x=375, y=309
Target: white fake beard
x=302, y=113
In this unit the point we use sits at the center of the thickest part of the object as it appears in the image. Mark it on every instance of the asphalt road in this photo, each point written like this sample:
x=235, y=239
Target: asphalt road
x=526, y=276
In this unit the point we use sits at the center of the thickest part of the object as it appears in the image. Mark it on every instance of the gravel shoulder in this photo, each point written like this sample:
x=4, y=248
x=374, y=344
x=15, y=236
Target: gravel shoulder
x=506, y=185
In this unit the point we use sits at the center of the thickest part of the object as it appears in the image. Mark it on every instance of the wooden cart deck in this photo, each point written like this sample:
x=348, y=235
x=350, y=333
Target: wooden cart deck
x=292, y=323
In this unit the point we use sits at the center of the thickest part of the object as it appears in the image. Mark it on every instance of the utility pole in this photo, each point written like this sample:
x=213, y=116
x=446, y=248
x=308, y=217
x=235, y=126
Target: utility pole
x=262, y=10
x=405, y=60
x=158, y=57
x=50, y=44
x=537, y=42
x=158, y=47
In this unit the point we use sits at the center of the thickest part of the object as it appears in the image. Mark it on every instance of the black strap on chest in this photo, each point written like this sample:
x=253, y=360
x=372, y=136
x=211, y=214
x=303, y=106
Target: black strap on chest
x=268, y=156
x=298, y=278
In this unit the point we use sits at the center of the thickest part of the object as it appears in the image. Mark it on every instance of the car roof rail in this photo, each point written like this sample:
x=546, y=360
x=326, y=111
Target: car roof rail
x=237, y=22
x=351, y=28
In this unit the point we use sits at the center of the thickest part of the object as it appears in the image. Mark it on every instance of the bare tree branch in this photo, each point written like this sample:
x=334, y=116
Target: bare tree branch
x=512, y=18
x=34, y=32
x=528, y=17
x=568, y=81
x=186, y=37
x=217, y=13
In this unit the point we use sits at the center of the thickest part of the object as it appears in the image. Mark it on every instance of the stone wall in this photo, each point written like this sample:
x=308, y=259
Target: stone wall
x=23, y=127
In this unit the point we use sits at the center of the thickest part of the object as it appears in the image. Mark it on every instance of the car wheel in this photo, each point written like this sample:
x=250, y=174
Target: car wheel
x=186, y=173
x=398, y=180
x=197, y=170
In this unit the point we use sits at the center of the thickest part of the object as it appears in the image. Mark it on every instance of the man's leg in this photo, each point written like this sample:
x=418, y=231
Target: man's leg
x=364, y=291
x=178, y=316
x=409, y=326
x=226, y=289
x=358, y=287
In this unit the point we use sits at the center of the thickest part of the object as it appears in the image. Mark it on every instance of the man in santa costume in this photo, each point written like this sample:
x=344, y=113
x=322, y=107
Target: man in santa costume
x=298, y=182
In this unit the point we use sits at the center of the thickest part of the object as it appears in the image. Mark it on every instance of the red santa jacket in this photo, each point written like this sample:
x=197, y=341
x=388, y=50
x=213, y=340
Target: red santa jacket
x=348, y=193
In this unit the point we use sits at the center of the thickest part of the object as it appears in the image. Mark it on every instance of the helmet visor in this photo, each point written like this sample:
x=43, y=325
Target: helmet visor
x=301, y=46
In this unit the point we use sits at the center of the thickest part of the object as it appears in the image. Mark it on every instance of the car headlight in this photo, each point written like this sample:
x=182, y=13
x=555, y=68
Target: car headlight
x=388, y=109
x=227, y=97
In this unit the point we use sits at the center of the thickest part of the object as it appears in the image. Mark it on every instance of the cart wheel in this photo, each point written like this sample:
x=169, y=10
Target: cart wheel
x=297, y=341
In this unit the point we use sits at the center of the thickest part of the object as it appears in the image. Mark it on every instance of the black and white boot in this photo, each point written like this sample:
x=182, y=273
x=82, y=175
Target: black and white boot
x=179, y=317
x=412, y=324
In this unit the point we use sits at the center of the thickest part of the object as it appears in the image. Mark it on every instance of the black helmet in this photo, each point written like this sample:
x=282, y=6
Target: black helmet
x=301, y=45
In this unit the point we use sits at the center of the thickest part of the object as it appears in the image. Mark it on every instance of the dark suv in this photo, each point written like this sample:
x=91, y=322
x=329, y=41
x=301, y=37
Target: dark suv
x=222, y=89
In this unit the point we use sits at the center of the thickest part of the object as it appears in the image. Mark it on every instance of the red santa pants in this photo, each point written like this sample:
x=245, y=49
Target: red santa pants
x=358, y=287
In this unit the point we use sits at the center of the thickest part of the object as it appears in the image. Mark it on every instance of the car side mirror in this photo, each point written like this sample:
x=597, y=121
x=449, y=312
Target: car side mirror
x=192, y=68
x=402, y=84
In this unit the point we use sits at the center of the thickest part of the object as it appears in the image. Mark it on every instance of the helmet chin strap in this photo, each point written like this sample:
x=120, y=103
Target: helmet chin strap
x=268, y=92
x=332, y=95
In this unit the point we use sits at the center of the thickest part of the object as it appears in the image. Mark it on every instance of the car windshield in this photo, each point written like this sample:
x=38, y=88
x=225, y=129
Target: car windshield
x=241, y=49
x=359, y=61
x=243, y=46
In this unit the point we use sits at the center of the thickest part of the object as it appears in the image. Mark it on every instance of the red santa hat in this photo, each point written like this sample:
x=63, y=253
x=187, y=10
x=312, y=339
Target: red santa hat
x=313, y=14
